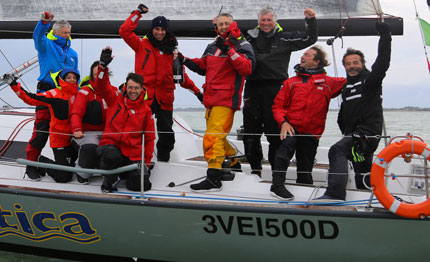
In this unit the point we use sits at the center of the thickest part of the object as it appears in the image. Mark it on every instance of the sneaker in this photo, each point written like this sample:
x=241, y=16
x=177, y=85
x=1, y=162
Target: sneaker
x=82, y=181
x=256, y=172
x=32, y=173
x=107, y=186
x=327, y=199
x=207, y=186
x=281, y=192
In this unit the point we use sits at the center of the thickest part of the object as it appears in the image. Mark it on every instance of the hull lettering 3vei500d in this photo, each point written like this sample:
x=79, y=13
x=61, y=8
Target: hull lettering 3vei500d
x=272, y=227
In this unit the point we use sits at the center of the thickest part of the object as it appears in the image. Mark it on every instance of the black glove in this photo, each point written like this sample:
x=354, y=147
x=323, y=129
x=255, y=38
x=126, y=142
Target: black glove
x=10, y=79
x=181, y=58
x=383, y=28
x=359, y=147
x=200, y=97
x=106, y=57
x=221, y=44
x=143, y=9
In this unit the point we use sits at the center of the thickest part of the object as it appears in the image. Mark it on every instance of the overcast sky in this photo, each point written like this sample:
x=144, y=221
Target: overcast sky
x=406, y=83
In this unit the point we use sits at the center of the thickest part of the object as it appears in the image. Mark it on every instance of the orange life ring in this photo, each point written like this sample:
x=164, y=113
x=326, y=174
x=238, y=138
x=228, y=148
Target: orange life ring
x=378, y=182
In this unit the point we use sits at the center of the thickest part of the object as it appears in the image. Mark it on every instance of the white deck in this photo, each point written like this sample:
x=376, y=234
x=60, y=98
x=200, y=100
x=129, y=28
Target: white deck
x=245, y=188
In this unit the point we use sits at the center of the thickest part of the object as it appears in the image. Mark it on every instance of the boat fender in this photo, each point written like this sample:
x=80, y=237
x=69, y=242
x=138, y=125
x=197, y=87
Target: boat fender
x=377, y=175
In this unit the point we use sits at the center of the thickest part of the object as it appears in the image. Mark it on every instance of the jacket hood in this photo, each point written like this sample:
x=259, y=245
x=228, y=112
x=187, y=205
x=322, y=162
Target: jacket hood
x=67, y=70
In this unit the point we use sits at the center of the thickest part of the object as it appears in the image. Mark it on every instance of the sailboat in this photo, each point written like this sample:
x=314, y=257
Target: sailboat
x=241, y=222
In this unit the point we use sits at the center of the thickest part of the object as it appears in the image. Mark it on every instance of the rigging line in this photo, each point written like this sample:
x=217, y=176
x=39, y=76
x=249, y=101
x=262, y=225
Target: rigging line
x=5, y=101
x=11, y=66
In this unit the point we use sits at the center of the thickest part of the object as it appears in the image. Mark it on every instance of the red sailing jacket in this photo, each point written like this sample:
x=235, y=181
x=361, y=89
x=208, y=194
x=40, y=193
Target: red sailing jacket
x=304, y=100
x=89, y=110
x=155, y=66
x=225, y=72
x=59, y=101
x=126, y=120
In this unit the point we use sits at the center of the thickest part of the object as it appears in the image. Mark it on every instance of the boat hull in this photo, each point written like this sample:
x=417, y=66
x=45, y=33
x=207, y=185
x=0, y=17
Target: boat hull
x=170, y=230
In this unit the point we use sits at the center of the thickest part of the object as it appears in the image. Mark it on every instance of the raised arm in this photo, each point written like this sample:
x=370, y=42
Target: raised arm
x=107, y=91
x=382, y=62
x=300, y=40
x=126, y=31
x=39, y=33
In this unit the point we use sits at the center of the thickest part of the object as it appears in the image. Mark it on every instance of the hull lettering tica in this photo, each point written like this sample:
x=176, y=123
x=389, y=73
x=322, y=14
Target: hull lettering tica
x=43, y=225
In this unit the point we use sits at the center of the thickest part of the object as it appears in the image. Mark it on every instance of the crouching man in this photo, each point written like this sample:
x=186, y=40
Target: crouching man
x=129, y=117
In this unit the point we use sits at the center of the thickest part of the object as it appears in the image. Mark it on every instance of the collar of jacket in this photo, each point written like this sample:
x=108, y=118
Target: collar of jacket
x=167, y=44
x=67, y=87
x=354, y=79
x=232, y=30
x=136, y=103
x=301, y=71
x=63, y=42
x=86, y=81
x=254, y=33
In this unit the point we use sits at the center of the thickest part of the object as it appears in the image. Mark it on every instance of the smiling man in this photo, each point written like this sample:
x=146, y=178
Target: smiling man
x=272, y=47
x=300, y=109
x=225, y=63
x=129, y=117
x=360, y=118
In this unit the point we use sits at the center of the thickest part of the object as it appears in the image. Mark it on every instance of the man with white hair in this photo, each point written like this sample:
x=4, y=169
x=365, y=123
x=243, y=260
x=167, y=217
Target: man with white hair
x=55, y=54
x=272, y=47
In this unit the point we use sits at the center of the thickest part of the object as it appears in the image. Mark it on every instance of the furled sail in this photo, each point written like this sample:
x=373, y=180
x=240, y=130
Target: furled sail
x=102, y=18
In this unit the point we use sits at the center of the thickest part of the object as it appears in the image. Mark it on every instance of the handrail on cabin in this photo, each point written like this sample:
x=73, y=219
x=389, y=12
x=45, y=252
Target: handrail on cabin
x=78, y=169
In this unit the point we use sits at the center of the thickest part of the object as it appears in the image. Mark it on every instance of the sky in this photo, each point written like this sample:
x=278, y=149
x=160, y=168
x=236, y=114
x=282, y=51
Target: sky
x=406, y=83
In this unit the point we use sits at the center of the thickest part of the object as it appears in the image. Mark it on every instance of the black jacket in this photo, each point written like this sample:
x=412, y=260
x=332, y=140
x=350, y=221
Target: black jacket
x=272, y=51
x=361, y=108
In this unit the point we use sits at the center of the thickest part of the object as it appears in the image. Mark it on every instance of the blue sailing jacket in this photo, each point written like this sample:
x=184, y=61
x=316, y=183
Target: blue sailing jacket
x=54, y=52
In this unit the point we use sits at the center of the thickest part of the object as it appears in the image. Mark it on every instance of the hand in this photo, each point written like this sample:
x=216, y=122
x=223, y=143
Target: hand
x=286, y=129
x=106, y=56
x=309, y=13
x=214, y=23
x=200, y=97
x=181, y=58
x=359, y=148
x=46, y=17
x=383, y=28
x=78, y=134
x=143, y=9
x=221, y=44
x=175, y=54
x=10, y=79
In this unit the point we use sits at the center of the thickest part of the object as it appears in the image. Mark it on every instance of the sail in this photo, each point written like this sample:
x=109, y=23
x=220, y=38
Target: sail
x=188, y=17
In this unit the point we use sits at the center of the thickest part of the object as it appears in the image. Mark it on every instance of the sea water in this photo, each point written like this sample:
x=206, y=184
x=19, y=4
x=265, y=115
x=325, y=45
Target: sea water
x=397, y=123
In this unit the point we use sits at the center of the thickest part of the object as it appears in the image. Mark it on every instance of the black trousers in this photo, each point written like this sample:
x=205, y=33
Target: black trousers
x=305, y=148
x=110, y=157
x=65, y=156
x=338, y=155
x=166, y=137
x=258, y=119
